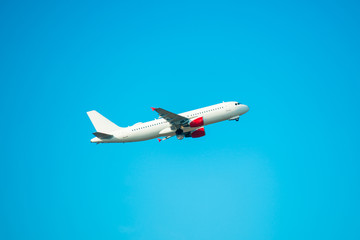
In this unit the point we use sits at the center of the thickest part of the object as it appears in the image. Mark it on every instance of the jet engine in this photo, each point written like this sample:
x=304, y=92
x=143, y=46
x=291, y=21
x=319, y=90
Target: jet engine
x=198, y=133
x=179, y=134
x=197, y=122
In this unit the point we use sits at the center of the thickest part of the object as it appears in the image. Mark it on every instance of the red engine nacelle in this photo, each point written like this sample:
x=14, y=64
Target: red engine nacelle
x=198, y=133
x=198, y=122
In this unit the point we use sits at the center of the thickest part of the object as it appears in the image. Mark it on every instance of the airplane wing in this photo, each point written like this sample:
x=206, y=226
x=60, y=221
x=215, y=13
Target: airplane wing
x=172, y=118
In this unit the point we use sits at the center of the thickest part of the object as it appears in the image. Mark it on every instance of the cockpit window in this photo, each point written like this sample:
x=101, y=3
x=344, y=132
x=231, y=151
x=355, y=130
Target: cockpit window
x=237, y=103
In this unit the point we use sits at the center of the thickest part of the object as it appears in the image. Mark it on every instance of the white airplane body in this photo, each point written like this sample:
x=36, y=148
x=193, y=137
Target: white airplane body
x=187, y=124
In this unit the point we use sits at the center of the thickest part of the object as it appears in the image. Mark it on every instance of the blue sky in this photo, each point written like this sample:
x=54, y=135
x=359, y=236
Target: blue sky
x=289, y=169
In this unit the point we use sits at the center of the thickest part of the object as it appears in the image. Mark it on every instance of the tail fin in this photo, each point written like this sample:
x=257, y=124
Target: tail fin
x=101, y=123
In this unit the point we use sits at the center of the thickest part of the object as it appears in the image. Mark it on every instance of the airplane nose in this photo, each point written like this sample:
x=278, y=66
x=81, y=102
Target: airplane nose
x=245, y=108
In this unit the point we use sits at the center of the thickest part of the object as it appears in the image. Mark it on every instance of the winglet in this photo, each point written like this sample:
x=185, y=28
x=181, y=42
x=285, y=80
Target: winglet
x=153, y=109
x=159, y=139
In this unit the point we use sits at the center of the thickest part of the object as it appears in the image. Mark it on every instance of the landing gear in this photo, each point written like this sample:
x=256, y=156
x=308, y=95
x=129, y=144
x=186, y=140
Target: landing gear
x=234, y=118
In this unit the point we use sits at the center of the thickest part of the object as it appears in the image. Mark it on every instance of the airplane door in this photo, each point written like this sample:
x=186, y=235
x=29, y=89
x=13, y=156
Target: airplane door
x=125, y=133
x=227, y=108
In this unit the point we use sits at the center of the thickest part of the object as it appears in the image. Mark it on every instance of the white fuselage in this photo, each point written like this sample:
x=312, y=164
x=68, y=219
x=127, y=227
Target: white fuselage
x=160, y=127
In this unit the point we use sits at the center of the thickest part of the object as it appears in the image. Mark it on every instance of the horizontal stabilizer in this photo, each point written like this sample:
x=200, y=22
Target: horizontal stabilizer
x=102, y=135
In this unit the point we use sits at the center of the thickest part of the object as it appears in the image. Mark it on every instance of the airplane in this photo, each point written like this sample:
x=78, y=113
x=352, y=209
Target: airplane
x=183, y=125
